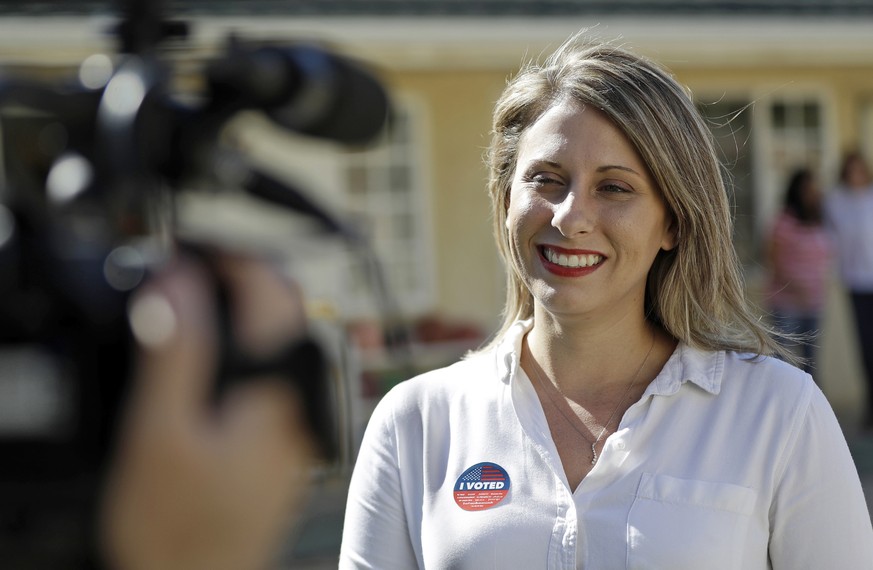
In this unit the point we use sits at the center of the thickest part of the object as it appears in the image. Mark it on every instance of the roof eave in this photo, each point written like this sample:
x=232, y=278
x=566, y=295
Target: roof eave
x=471, y=43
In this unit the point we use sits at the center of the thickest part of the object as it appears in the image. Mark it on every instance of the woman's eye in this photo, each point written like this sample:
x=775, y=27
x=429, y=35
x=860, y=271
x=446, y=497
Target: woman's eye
x=541, y=179
x=615, y=188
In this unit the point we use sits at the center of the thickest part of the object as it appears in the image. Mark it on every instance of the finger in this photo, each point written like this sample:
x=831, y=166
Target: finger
x=173, y=321
x=269, y=411
x=269, y=442
x=268, y=309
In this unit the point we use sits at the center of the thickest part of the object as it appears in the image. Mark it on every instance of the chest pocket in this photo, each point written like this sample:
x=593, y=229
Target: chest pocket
x=681, y=524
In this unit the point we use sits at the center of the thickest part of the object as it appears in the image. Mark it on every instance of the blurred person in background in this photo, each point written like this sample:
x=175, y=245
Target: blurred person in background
x=799, y=255
x=849, y=214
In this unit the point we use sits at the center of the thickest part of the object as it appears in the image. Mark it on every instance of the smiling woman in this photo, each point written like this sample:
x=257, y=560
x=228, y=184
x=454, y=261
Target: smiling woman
x=629, y=406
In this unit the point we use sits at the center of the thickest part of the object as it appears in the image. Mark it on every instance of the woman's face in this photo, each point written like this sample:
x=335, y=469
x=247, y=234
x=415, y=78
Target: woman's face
x=857, y=175
x=811, y=195
x=585, y=218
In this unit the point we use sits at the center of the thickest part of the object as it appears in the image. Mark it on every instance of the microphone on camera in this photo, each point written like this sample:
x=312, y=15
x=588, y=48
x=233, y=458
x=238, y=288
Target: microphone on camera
x=305, y=89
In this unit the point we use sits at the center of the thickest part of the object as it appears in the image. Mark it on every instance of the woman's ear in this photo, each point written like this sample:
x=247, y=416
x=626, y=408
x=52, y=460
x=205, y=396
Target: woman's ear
x=671, y=236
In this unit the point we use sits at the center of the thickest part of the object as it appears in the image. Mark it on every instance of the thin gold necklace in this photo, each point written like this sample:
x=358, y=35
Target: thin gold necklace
x=560, y=408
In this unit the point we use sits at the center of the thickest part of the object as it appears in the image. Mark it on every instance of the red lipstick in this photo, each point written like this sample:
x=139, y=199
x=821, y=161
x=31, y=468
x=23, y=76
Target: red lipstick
x=581, y=262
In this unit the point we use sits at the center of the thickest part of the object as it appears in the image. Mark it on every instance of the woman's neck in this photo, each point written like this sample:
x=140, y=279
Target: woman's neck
x=583, y=358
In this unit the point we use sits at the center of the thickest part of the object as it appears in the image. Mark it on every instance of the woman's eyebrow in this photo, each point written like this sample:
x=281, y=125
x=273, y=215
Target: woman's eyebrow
x=606, y=167
x=543, y=161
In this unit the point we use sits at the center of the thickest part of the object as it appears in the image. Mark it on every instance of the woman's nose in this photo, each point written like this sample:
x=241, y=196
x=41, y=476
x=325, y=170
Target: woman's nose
x=574, y=214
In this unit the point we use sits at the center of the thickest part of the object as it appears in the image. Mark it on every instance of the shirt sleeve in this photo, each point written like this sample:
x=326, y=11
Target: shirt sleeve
x=375, y=531
x=819, y=517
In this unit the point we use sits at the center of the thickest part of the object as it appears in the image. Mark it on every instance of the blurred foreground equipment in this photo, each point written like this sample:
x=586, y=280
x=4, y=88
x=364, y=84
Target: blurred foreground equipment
x=87, y=207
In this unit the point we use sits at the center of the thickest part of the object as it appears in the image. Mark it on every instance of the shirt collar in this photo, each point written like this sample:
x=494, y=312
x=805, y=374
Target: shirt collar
x=508, y=351
x=704, y=368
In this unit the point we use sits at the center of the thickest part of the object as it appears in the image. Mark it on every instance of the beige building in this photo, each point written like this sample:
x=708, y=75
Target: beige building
x=785, y=84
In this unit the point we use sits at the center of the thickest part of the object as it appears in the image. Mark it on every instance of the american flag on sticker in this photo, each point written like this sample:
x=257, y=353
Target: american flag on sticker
x=481, y=487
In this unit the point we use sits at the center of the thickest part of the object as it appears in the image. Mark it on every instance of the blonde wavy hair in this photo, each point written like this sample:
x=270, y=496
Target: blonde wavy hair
x=696, y=291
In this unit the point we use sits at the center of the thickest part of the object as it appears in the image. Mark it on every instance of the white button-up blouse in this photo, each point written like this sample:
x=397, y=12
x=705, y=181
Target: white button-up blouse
x=725, y=462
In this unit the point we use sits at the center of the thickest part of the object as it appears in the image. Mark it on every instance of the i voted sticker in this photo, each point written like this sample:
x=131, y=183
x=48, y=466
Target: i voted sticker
x=481, y=486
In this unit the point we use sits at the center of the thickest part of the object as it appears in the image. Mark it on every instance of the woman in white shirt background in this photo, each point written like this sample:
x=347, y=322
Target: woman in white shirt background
x=849, y=211
x=628, y=412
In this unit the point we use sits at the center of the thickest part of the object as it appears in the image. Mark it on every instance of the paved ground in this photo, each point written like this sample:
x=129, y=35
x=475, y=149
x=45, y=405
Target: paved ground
x=315, y=544
x=862, y=451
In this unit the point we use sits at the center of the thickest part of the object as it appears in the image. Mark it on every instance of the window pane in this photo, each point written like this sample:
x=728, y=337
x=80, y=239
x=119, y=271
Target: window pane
x=731, y=126
x=779, y=116
x=404, y=228
x=810, y=115
x=400, y=181
x=356, y=178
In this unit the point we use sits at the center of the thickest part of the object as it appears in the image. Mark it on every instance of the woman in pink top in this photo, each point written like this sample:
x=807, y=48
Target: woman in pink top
x=799, y=254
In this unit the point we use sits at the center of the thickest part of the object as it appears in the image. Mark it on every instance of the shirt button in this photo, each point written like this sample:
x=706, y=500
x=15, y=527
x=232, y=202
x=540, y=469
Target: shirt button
x=620, y=445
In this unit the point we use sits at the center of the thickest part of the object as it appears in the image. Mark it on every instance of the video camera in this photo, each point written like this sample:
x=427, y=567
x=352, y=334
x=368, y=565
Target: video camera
x=87, y=208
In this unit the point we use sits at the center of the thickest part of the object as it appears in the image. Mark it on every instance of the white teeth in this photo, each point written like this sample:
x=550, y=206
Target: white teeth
x=572, y=260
